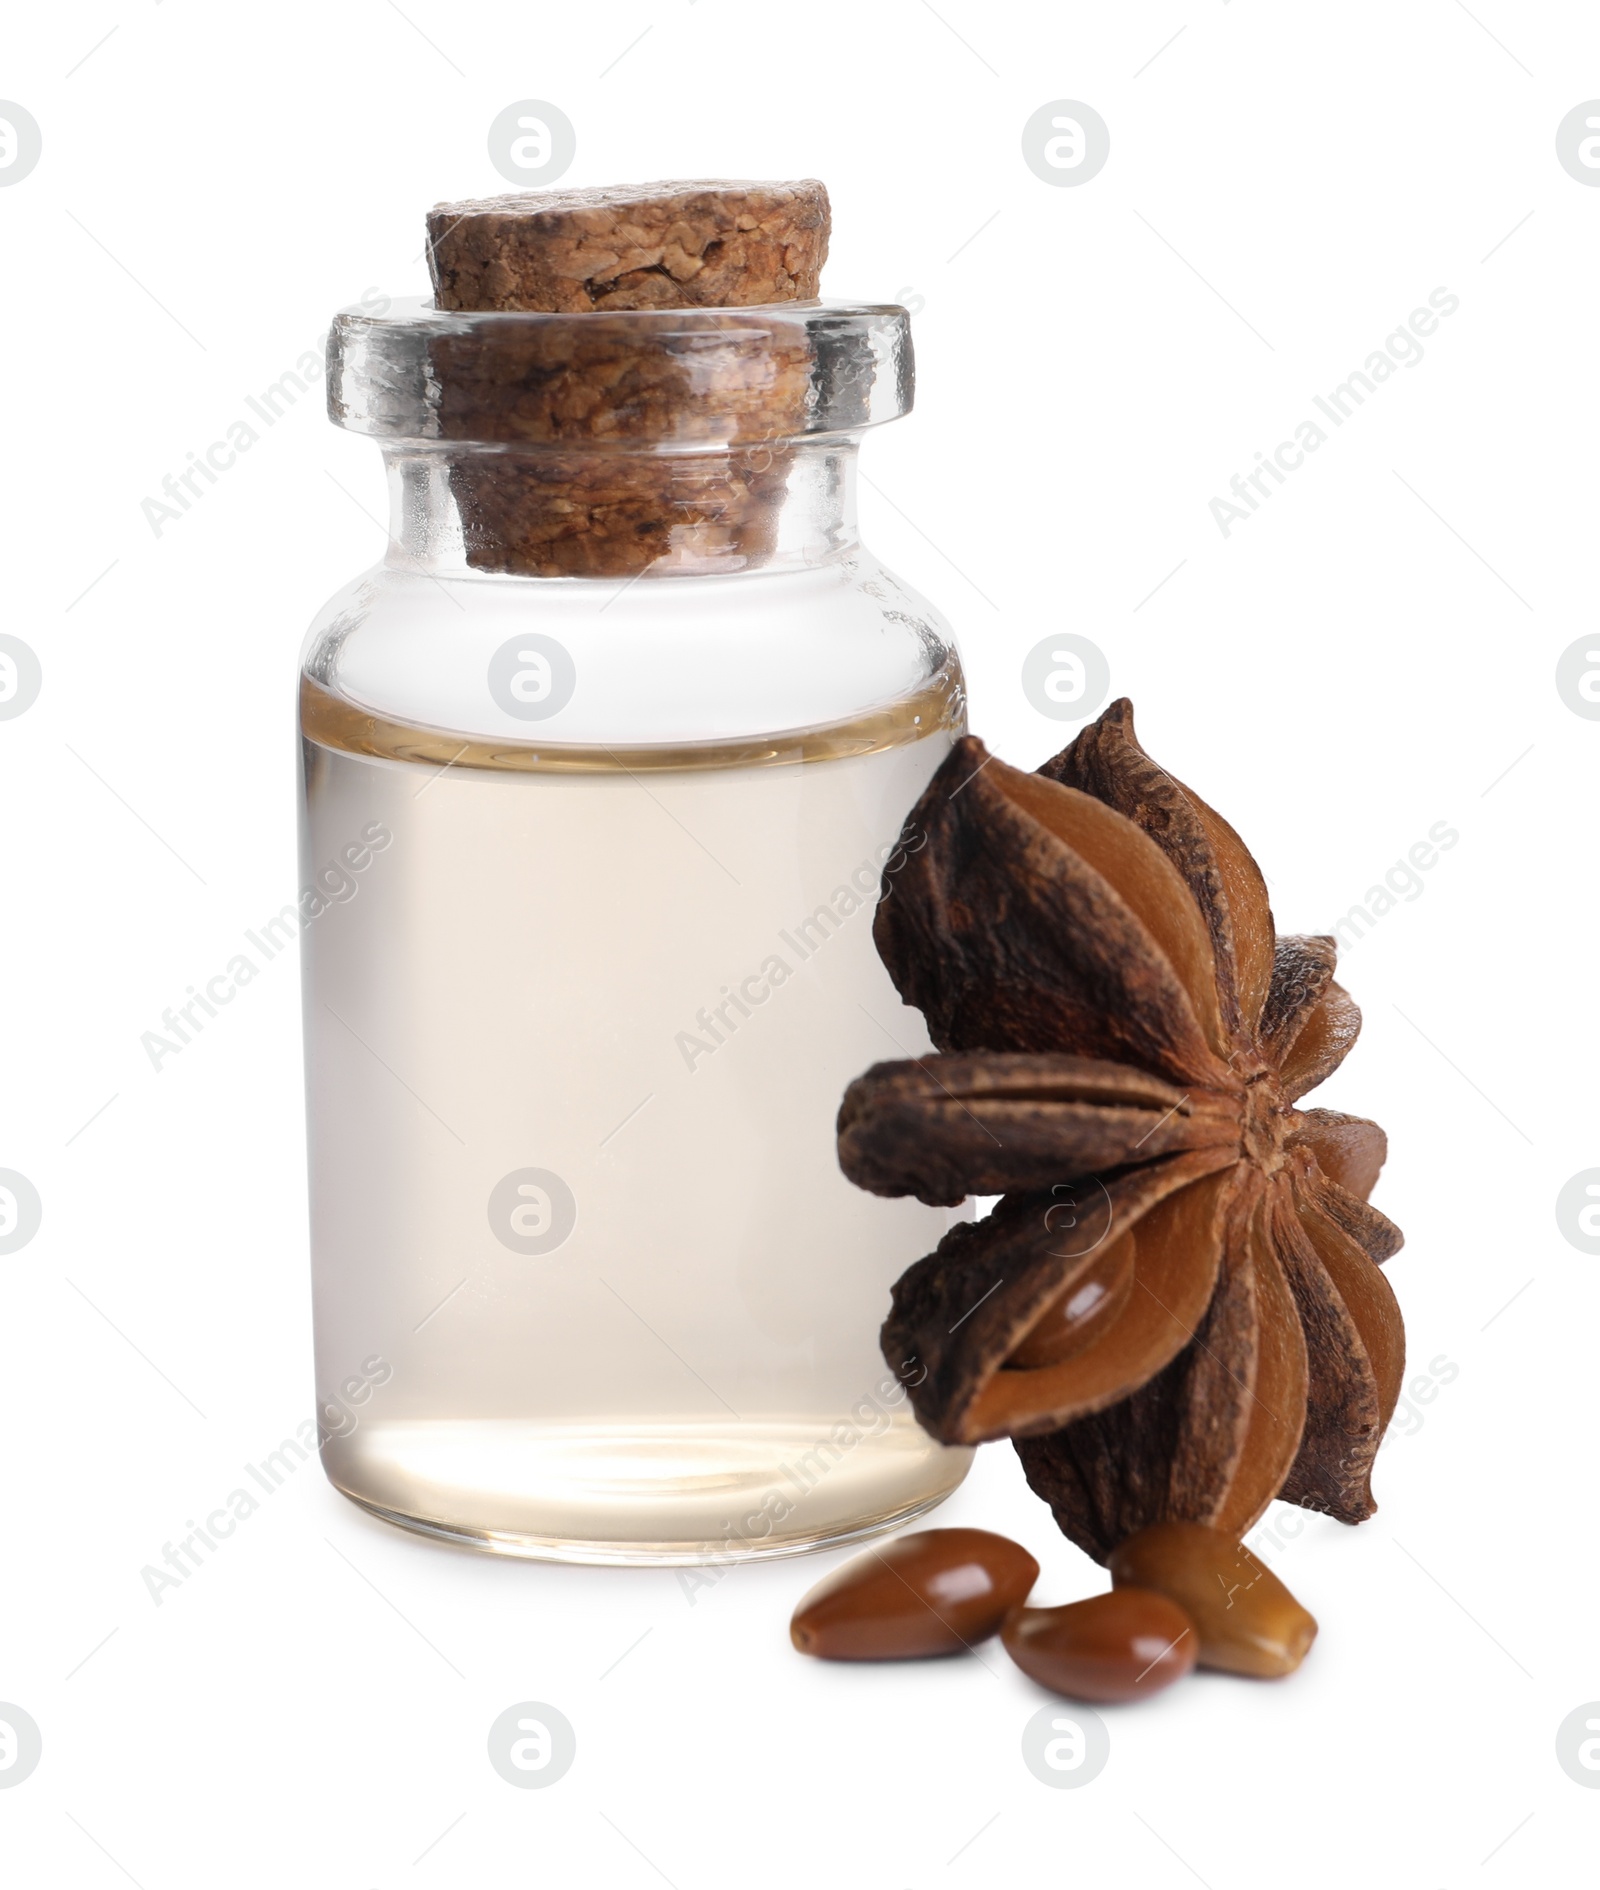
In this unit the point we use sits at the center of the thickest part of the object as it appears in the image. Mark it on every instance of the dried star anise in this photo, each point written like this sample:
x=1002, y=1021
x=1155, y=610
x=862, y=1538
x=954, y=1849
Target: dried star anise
x=1175, y=1309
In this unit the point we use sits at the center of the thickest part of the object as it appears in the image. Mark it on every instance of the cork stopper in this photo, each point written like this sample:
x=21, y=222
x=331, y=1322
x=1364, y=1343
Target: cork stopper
x=587, y=501
x=695, y=244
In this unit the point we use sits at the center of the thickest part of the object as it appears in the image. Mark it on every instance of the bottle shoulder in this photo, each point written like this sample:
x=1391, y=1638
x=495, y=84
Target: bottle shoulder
x=673, y=661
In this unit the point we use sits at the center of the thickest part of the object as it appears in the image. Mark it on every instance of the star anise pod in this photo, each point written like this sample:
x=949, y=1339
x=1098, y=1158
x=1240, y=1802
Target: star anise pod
x=1175, y=1309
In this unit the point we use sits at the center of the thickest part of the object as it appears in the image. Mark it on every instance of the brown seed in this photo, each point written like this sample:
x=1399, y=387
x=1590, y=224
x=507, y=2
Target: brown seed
x=934, y=1592
x=1082, y=1311
x=1122, y=1646
x=1247, y=1621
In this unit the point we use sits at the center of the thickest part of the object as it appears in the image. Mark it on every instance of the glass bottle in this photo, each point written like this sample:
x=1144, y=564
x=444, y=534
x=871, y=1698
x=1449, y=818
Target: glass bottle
x=603, y=766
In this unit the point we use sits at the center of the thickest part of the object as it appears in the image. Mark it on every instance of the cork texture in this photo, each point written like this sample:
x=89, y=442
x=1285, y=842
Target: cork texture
x=732, y=379
x=695, y=244
x=617, y=515
x=593, y=402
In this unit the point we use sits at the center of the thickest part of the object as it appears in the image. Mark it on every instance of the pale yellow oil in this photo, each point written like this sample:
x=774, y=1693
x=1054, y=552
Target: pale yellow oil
x=649, y=974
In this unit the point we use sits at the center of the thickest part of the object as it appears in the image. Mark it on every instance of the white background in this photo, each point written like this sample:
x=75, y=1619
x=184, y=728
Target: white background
x=1371, y=653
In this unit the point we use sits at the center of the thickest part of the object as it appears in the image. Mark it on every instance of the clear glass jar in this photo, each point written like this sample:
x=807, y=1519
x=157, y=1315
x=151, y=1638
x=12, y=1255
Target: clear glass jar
x=602, y=766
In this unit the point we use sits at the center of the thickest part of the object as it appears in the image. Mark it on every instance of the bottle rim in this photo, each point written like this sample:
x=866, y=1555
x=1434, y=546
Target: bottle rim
x=609, y=380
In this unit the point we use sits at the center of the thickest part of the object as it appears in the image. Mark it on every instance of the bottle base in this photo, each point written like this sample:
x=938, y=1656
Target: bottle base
x=616, y=1496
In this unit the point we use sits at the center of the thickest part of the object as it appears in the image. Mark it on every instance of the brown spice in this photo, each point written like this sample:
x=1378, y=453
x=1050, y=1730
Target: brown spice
x=936, y=1591
x=1125, y=1042
x=1123, y=1646
x=1244, y=1617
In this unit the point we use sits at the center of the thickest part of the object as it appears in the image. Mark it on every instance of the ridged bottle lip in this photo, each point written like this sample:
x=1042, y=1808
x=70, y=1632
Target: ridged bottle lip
x=639, y=379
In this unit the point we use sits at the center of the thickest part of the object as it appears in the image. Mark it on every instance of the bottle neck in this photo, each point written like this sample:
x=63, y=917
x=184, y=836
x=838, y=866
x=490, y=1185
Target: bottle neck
x=620, y=514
